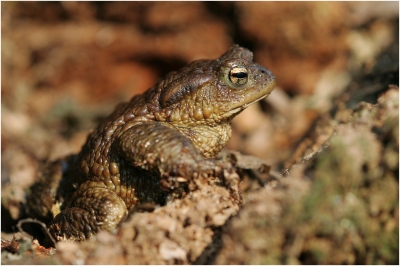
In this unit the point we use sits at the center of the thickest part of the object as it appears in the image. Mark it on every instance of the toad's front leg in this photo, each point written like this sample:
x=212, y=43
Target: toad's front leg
x=164, y=151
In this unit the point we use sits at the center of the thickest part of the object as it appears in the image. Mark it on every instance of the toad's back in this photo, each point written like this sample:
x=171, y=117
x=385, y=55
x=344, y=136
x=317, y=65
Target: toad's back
x=152, y=144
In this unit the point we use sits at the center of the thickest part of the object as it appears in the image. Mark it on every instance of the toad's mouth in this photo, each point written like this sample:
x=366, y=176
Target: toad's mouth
x=238, y=109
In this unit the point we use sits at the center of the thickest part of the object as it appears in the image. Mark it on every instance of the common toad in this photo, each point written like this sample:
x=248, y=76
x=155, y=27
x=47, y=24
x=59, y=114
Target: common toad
x=150, y=146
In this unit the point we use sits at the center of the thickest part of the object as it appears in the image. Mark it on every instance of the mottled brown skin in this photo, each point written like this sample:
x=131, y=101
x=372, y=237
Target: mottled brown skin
x=150, y=145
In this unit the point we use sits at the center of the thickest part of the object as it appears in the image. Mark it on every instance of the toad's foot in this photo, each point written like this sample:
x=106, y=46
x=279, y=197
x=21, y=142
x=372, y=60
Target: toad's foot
x=92, y=209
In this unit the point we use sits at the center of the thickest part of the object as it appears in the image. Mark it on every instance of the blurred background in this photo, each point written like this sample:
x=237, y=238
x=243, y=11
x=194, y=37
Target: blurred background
x=65, y=66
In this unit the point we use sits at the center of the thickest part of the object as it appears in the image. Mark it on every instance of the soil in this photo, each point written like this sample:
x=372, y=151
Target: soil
x=318, y=159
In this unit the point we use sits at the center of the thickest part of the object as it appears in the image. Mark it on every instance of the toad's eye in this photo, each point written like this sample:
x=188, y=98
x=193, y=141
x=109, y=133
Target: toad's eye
x=238, y=76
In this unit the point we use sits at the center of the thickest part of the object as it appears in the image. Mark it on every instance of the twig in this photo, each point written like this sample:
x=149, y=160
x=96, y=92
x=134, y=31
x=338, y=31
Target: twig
x=30, y=220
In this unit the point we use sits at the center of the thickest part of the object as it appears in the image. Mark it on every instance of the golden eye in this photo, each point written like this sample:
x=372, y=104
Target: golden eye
x=238, y=76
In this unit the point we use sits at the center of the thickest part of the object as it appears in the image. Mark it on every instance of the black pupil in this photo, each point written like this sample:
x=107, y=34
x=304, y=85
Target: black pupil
x=240, y=75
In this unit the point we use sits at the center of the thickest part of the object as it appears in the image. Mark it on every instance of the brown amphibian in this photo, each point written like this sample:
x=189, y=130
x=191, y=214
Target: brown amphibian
x=150, y=146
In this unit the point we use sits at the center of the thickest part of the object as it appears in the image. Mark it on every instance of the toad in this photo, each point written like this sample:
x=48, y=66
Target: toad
x=149, y=146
